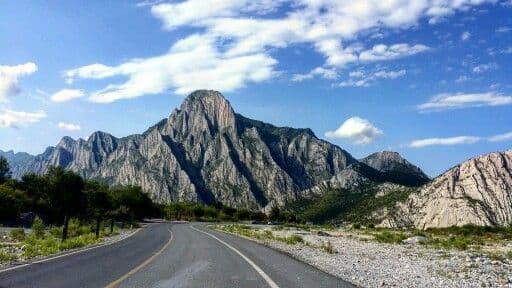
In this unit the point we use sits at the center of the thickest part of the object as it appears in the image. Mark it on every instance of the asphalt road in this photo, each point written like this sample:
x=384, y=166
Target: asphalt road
x=173, y=255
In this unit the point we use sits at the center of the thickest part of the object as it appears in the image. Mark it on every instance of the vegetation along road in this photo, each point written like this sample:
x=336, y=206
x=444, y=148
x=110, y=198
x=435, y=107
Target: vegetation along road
x=173, y=255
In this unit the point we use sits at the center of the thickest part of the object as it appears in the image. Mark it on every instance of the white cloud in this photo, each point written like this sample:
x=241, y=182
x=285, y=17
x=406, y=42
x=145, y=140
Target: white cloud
x=452, y=101
x=194, y=11
x=68, y=126
x=65, y=95
x=462, y=79
x=503, y=29
x=465, y=35
x=458, y=140
x=389, y=74
x=9, y=77
x=235, y=39
x=359, y=131
x=192, y=63
x=501, y=137
x=11, y=118
x=326, y=73
x=383, y=52
x=444, y=141
x=363, y=79
x=485, y=67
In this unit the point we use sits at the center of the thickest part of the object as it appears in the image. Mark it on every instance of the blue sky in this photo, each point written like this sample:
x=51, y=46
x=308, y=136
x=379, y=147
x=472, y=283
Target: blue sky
x=430, y=79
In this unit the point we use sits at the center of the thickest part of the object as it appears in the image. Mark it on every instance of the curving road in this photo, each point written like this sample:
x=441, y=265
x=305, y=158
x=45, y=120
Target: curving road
x=173, y=255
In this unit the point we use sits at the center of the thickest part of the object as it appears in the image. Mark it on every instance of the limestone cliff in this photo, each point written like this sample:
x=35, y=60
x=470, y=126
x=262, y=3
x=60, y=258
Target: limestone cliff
x=478, y=191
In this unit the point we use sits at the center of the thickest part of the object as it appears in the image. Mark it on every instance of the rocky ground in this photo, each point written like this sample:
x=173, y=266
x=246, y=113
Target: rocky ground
x=364, y=262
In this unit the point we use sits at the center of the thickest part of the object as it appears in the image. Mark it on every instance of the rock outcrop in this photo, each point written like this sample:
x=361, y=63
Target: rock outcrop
x=205, y=152
x=478, y=191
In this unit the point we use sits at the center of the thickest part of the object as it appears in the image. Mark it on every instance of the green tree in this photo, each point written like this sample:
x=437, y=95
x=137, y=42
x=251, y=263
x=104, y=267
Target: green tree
x=37, y=189
x=99, y=201
x=12, y=202
x=132, y=203
x=5, y=171
x=275, y=214
x=66, y=195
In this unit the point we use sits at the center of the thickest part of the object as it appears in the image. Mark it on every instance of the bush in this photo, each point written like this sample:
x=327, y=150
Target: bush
x=390, y=237
x=56, y=231
x=17, y=234
x=7, y=257
x=293, y=239
x=77, y=242
x=38, y=228
x=34, y=246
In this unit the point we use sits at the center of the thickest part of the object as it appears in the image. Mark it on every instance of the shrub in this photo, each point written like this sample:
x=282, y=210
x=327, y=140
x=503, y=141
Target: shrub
x=293, y=239
x=38, y=228
x=56, y=231
x=7, y=257
x=389, y=237
x=17, y=234
x=77, y=242
x=34, y=246
x=460, y=243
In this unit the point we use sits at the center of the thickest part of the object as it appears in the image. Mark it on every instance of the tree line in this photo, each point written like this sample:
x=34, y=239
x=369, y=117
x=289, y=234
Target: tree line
x=189, y=211
x=59, y=195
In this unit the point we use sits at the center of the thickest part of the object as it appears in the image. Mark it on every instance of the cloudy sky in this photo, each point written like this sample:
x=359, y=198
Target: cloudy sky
x=430, y=79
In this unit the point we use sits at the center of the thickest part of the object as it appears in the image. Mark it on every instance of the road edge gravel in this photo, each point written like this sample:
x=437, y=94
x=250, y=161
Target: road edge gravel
x=284, y=252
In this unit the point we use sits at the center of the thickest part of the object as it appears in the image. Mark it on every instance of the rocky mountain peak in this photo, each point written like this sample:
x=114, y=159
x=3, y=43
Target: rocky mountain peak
x=99, y=135
x=66, y=142
x=393, y=163
x=211, y=104
x=385, y=160
x=203, y=114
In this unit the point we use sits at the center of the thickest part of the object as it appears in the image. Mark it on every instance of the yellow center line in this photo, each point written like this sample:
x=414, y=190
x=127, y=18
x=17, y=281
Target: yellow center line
x=142, y=265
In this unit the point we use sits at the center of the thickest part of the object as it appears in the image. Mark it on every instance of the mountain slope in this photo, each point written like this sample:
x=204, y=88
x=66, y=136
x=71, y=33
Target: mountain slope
x=204, y=152
x=478, y=191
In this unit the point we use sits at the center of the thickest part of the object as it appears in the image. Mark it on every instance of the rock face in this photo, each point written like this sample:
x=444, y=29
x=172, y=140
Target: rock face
x=478, y=191
x=205, y=152
x=396, y=168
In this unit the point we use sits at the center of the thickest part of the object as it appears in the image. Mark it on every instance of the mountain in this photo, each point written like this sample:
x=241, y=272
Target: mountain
x=396, y=168
x=478, y=191
x=205, y=152
x=17, y=161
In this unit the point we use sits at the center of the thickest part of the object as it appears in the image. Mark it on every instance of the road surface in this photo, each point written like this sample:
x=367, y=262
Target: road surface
x=173, y=255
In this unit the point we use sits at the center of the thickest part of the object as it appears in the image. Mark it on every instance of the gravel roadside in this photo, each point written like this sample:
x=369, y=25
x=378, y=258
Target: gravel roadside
x=370, y=264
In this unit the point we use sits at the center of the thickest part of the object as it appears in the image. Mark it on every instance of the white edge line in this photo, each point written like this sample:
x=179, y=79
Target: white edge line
x=68, y=254
x=260, y=271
